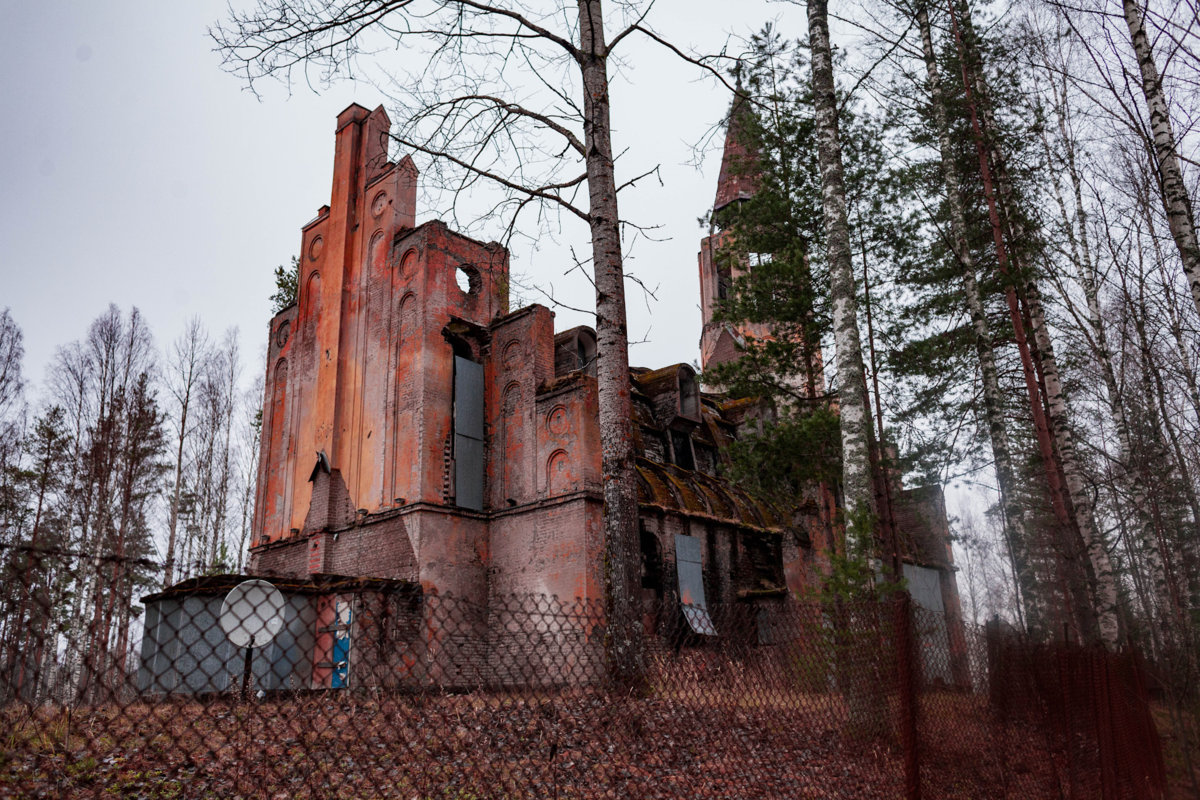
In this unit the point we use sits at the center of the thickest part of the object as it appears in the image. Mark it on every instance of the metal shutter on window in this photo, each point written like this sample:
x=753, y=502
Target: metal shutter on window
x=691, y=584
x=468, y=434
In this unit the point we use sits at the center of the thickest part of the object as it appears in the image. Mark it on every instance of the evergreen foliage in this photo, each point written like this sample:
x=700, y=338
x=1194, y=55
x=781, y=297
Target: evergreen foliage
x=287, y=286
x=773, y=259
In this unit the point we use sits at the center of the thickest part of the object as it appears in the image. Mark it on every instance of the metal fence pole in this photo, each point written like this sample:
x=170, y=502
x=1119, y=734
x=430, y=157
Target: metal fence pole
x=1064, y=676
x=1099, y=662
x=907, y=690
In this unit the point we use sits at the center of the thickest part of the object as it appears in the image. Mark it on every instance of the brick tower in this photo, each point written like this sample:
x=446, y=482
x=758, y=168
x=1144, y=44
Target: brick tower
x=719, y=341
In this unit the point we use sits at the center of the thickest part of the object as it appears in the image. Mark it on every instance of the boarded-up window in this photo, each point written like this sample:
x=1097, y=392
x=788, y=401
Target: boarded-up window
x=691, y=584
x=273, y=510
x=468, y=433
x=681, y=444
x=933, y=638
x=689, y=399
x=764, y=561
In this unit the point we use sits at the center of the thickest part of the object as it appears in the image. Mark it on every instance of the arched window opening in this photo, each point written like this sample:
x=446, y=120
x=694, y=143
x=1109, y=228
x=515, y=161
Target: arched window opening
x=681, y=447
x=652, y=563
x=585, y=351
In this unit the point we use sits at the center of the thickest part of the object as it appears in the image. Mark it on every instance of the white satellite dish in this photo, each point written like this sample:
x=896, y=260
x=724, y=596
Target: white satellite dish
x=252, y=612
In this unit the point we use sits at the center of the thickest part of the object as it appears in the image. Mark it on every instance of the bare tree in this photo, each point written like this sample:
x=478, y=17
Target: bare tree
x=185, y=364
x=12, y=352
x=210, y=457
x=12, y=413
x=249, y=433
x=107, y=380
x=1172, y=188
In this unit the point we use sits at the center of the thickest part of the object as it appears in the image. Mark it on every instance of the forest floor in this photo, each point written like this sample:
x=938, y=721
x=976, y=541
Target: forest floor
x=486, y=745
x=1179, y=782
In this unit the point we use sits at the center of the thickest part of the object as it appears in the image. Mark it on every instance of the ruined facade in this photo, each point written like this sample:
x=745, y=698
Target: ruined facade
x=419, y=433
x=415, y=429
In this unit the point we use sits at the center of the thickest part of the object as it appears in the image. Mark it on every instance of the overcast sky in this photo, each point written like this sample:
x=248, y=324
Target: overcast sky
x=135, y=171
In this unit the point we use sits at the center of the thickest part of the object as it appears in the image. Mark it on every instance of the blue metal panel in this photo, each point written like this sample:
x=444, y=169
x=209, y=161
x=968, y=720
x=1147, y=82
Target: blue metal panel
x=185, y=650
x=691, y=584
x=933, y=638
x=468, y=434
x=468, y=398
x=341, y=647
x=148, y=676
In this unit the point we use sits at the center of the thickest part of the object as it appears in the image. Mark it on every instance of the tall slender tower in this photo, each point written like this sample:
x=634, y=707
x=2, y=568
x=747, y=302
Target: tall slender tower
x=719, y=341
x=722, y=341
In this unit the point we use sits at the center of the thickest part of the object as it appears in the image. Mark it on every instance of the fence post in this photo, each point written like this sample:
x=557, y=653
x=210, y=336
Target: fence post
x=1064, y=677
x=1110, y=752
x=907, y=690
x=1137, y=696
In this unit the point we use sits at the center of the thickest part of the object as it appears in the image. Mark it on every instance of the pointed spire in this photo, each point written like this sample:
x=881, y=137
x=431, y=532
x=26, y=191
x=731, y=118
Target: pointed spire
x=737, y=179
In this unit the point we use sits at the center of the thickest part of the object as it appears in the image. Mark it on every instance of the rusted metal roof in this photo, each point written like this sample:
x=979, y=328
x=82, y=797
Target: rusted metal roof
x=669, y=488
x=315, y=584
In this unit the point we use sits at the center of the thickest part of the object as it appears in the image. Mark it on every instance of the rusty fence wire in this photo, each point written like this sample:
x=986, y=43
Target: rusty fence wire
x=329, y=687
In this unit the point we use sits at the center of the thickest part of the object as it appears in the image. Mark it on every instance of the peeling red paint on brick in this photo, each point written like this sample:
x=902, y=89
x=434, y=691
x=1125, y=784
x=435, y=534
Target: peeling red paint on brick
x=361, y=369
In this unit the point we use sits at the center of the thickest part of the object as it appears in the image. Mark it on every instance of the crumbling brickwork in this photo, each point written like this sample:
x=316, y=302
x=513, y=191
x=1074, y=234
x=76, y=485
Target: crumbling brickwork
x=416, y=430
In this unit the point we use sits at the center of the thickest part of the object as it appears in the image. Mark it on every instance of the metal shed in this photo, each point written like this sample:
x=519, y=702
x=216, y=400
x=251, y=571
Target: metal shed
x=185, y=651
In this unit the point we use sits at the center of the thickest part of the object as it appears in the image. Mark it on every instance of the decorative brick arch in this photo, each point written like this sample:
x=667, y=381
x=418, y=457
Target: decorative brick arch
x=403, y=454
x=512, y=449
x=408, y=264
x=276, y=455
x=558, y=473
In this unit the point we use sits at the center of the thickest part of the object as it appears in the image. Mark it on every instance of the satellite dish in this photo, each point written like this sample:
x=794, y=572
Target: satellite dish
x=252, y=612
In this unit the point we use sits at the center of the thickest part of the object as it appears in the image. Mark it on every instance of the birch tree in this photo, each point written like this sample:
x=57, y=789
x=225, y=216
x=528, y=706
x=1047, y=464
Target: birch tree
x=12, y=411
x=857, y=484
x=1171, y=185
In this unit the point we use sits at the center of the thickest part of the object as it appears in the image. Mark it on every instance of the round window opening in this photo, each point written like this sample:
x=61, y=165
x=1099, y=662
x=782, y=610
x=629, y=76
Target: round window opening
x=467, y=279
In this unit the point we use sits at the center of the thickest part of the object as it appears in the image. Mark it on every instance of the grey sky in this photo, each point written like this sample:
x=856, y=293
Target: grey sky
x=135, y=171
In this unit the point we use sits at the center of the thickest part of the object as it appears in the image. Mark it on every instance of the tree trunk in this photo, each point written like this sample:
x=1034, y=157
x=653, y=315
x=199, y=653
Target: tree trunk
x=1153, y=543
x=1081, y=251
x=1090, y=582
x=622, y=547
x=1095, y=578
x=1078, y=613
x=1190, y=556
x=169, y=567
x=1106, y=588
x=862, y=691
x=1176, y=202
x=1014, y=517
x=881, y=466
x=856, y=470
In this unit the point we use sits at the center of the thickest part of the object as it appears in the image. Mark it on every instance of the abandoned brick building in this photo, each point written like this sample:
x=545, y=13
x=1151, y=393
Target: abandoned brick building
x=416, y=430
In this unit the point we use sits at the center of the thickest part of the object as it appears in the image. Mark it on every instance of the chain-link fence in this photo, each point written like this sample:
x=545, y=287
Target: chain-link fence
x=224, y=686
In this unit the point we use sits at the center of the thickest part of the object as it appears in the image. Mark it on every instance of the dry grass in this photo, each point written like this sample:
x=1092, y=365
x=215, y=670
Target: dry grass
x=470, y=746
